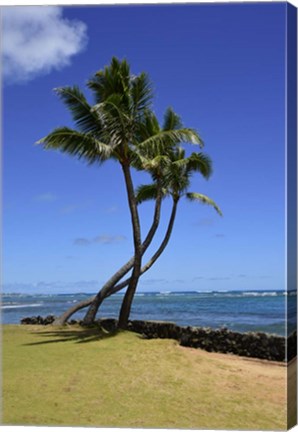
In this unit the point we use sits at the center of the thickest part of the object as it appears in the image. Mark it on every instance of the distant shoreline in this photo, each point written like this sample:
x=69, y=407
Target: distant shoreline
x=165, y=292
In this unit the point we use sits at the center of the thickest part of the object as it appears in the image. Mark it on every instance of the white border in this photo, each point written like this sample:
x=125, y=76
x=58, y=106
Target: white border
x=111, y=2
x=129, y=2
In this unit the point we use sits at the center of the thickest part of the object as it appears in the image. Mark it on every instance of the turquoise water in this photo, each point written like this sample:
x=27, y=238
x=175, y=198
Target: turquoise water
x=241, y=311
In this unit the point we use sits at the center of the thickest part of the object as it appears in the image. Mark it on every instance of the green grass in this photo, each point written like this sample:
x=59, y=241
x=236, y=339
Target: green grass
x=74, y=376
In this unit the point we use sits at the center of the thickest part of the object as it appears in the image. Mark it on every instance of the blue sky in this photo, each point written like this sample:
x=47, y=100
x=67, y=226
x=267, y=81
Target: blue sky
x=221, y=67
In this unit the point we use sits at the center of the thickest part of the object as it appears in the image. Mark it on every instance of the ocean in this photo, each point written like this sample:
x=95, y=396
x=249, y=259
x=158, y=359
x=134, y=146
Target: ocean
x=241, y=311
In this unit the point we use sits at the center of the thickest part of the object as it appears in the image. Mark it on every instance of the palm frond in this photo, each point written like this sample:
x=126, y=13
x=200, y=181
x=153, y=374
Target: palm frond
x=78, y=144
x=159, y=161
x=200, y=162
x=146, y=192
x=171, y=120
x=164, y=139
x=83, y=115
x=193, y=196
x=154, y=165
x=141, y=94
x=116, y=122
x=176, y=179
x=177, y=155
x=147, y=127
x=110, y=80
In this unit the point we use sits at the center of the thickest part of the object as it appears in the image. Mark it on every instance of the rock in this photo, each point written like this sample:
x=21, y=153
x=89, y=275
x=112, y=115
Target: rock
x=258, y=345
x=108, y=324
x=49, y=319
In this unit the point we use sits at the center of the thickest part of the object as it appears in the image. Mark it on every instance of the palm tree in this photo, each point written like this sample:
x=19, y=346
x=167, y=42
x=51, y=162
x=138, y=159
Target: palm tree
x=176, y=178
x=112, y=128
x=166, y=164
x=153, y=145
x=177, y=173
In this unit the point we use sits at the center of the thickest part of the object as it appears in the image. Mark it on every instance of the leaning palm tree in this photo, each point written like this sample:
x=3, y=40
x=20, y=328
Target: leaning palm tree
x=164, y=172
x=145, y=193
x=151, y=158
x=111, y=129
x=150, y=153
x=177, y=171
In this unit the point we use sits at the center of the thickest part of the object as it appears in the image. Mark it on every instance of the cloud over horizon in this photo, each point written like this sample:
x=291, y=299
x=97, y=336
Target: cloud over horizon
x=37, y=40
x=102, y=239
x=42, y=287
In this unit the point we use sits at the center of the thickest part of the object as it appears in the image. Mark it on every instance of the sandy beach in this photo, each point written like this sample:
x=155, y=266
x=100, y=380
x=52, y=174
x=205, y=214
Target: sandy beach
x=79, y=377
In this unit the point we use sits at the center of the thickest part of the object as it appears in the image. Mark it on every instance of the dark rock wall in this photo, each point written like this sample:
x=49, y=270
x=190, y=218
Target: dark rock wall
x=258, y=345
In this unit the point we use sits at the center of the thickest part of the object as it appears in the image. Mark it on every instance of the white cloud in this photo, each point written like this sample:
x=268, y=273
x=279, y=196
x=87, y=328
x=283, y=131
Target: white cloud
x=102, y=239
x=81, y=241
x=43, y=287
x=109, y=239
x=37, y=39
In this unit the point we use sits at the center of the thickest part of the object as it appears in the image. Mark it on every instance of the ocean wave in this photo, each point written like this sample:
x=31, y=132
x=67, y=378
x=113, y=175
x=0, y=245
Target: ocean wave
x=224, y=293
x=77, y=296
x=261, y=294
x=20, y=306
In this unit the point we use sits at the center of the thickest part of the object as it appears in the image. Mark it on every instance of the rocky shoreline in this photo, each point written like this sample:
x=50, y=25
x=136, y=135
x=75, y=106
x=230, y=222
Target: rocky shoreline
x=256, y=345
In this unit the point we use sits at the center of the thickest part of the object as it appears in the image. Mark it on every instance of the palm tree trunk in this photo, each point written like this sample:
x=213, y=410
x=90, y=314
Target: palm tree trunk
x=103, y=294
x=129, y=295
x=155, y=257
x=61, y=320
x=126, y=307
x=97, y=300
x=90, y=316
x=91, y=313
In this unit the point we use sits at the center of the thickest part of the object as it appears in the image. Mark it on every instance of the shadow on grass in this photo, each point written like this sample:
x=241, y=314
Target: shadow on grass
x=79, y=335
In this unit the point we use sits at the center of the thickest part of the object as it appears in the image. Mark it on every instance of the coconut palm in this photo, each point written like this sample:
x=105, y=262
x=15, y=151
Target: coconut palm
x=176, y=178
x=159, y=159
x=147, y=158
x=150, y=153
x=112, y=128
x=177, y=173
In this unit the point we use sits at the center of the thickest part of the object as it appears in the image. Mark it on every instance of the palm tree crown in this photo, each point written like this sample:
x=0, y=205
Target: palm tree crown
x=120, y=120
x=177, y=171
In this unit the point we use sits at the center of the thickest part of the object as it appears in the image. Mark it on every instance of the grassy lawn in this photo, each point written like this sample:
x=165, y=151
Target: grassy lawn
x=74, y=376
